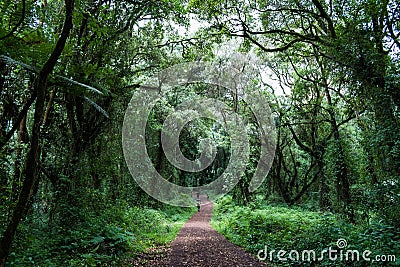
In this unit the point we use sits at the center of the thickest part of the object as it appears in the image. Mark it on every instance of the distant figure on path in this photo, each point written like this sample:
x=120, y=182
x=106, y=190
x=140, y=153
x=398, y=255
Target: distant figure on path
x=198, y=205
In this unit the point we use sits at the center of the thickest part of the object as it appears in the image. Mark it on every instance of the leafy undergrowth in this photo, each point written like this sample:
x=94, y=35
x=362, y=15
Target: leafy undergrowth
x=113, y=238
x=295, y=230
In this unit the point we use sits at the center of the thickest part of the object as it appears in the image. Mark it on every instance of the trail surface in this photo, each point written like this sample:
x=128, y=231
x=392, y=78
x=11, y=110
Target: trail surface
x=197, y=244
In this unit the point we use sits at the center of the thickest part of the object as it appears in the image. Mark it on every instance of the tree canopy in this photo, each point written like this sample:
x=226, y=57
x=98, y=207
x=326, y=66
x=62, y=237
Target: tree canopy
x=329, y=70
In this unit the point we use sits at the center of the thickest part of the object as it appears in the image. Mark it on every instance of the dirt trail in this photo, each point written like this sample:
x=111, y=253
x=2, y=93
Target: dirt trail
x=197, y=244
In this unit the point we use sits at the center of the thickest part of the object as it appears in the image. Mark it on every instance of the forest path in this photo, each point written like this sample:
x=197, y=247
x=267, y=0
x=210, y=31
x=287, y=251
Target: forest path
x=197, y=244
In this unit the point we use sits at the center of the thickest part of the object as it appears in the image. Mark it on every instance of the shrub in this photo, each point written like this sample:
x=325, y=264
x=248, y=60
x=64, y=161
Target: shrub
x=284, y=228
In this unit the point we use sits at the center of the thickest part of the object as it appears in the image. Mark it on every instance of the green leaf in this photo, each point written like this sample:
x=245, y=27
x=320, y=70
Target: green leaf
x=100, y=109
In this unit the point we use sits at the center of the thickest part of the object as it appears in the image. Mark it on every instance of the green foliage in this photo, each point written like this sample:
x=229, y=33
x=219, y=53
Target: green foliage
x=281, y=227
x=338, y=124
x=118, y=234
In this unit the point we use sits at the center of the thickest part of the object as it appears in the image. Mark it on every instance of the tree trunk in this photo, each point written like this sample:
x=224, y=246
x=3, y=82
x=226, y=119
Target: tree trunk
x=342, y=176
x=32, y=167
x=18, y=159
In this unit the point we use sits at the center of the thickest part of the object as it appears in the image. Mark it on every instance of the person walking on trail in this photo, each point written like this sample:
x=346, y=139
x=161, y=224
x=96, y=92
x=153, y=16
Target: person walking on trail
x=198, y=205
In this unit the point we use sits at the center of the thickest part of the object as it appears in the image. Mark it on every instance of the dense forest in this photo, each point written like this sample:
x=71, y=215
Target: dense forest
x=328, y=74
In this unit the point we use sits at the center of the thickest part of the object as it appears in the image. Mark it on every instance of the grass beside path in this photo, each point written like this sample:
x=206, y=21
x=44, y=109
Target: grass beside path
x=294, y=228
x=114, y=235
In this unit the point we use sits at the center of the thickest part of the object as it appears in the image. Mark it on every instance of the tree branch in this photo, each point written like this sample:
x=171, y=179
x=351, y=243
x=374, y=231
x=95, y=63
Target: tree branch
x=20, y=116
x=32, y=166
x=277, y=49
x=299, y=143
x=325, y=15
x=21, y=20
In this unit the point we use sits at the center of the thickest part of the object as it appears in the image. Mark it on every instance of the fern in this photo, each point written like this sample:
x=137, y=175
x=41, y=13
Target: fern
x=64, y=81
x=100, y=109
x=70, y=82
x=11, y=61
